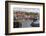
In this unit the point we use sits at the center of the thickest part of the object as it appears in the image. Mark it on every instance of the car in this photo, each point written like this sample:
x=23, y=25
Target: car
x=35, y=23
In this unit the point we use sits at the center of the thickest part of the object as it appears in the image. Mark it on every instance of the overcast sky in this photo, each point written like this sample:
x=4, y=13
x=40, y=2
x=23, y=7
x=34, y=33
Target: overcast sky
x=35, y=10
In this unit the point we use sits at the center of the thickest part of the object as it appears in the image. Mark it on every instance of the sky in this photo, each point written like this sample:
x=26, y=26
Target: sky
x=35, y=10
